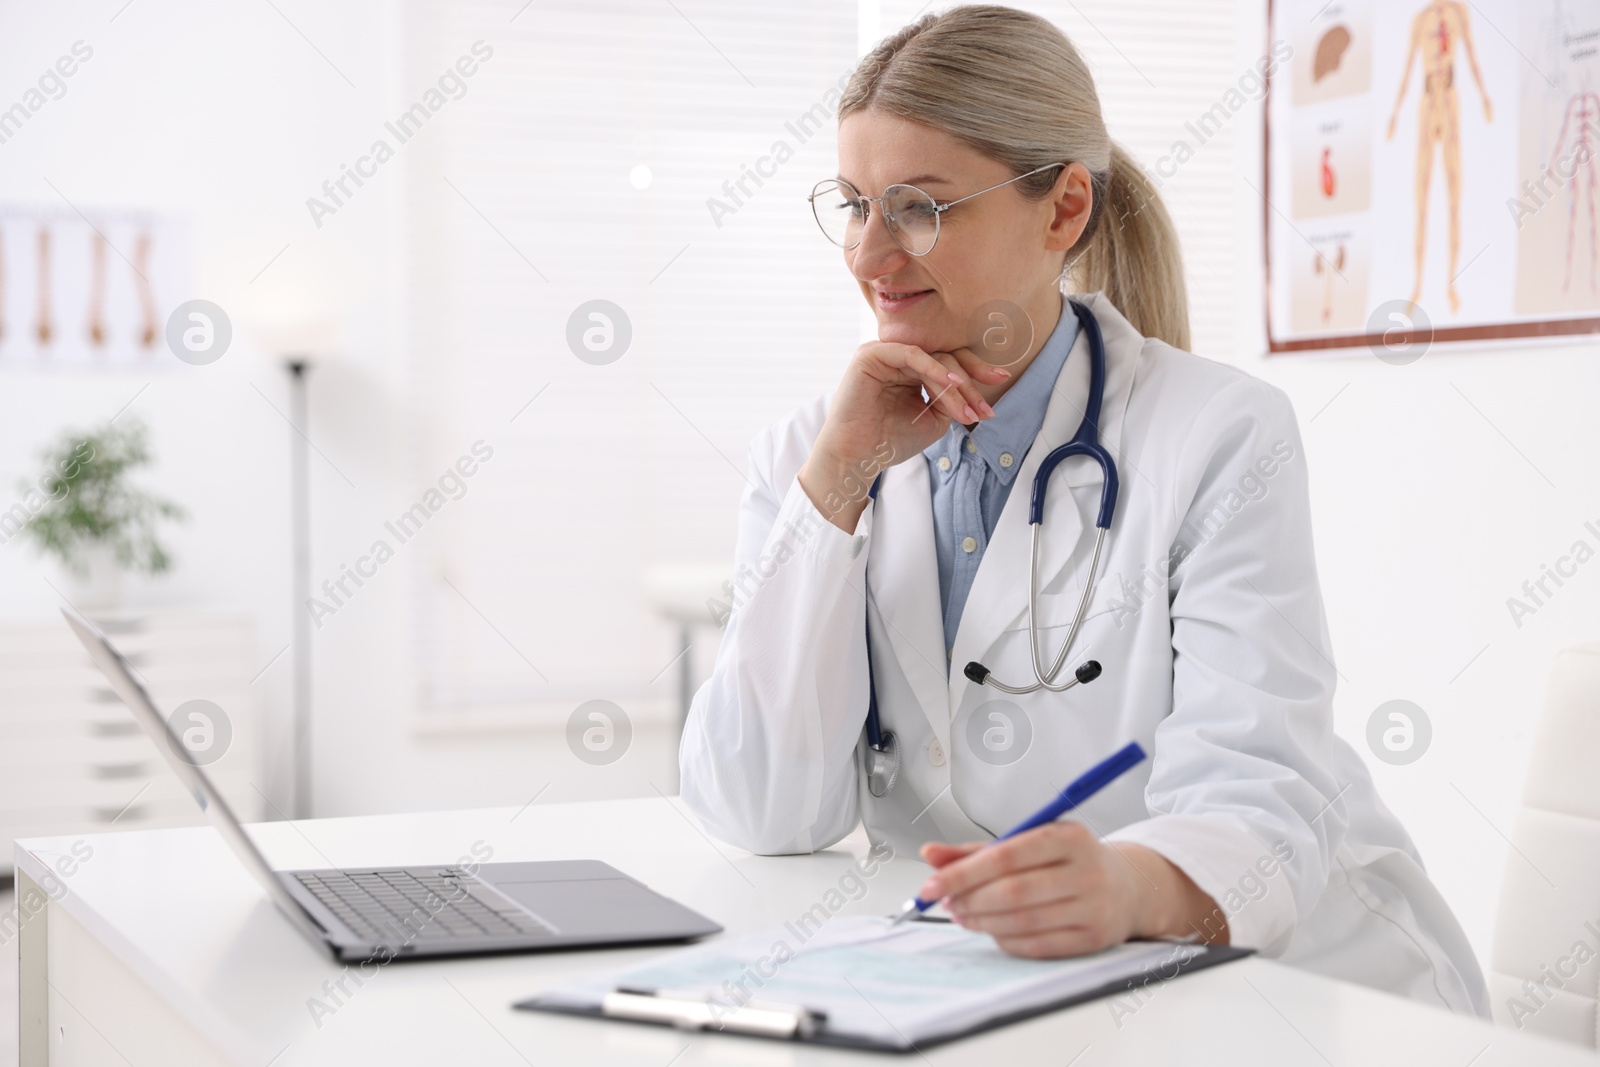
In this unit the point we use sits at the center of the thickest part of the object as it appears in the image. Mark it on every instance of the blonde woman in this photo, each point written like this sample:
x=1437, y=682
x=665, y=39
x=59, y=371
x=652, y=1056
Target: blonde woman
x=885, y=546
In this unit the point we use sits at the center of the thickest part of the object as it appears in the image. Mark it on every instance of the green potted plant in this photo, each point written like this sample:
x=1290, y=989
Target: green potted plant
x=92, y=519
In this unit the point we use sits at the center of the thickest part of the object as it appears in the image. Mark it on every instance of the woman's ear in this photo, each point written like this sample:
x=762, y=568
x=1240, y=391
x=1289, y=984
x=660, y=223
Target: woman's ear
x=1071, y=201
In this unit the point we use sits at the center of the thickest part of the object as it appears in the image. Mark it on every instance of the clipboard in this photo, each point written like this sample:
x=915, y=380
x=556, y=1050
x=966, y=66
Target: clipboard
x=816, y=1021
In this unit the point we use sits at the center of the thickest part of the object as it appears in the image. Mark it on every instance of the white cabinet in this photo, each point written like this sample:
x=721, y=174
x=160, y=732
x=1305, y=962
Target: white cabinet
x=72, y=758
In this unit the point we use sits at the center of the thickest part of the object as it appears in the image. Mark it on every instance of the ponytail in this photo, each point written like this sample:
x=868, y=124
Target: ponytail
x=1010, y=84
x=1130, y=252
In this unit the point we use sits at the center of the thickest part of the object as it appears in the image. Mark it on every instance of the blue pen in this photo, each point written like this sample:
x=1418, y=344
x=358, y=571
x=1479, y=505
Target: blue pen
x=1088, y=784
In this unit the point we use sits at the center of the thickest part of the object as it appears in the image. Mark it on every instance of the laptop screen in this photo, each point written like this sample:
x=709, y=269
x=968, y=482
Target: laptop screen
x=122, y=678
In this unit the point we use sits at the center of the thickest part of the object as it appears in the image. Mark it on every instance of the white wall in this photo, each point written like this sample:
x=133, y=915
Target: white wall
x=229, y=118
x=1430, y=512
x=1438, y=488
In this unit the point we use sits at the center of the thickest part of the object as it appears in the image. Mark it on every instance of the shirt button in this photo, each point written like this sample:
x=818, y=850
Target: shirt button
x=944, y=463
x=972, y=446
x=936, y=753
x=969, y=544
x=1006, y=459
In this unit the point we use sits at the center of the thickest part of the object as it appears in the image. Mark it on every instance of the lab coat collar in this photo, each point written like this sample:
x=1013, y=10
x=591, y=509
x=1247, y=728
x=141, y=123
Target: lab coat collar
x=903, y=581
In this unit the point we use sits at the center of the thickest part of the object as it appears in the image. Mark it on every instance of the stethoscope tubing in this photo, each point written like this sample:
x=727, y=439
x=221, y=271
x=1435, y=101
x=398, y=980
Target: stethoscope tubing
x=883, y=755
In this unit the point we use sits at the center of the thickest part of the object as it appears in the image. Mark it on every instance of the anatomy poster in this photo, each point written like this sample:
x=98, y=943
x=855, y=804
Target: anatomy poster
x=86, y=290
x=1433, y=168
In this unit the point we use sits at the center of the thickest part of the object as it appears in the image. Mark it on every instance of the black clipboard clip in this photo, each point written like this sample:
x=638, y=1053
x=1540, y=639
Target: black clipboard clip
x=691, y=1011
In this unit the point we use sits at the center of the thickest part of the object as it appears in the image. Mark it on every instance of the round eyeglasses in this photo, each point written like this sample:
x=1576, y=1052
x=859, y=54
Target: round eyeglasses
x=911, y=215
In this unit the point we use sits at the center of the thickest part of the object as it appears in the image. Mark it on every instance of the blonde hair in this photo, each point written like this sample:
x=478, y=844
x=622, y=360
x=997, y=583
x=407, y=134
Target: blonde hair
x=1012, y=86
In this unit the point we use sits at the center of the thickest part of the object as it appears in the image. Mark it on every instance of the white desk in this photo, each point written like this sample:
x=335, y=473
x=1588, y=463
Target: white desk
x=163, y=951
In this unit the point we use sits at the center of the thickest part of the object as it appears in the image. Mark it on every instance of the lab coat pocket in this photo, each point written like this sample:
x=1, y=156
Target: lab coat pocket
x=1010, y=752
x=1056, y=614
x=1104, y=637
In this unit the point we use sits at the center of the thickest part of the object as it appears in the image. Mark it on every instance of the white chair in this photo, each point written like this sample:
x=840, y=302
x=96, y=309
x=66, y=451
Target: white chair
x=1545, y=974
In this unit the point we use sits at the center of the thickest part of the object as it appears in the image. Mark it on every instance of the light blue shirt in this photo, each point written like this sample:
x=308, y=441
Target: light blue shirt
x=971, y=472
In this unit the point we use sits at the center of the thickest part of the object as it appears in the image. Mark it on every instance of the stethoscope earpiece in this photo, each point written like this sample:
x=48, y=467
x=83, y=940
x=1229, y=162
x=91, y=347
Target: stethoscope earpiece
x=1087, y=672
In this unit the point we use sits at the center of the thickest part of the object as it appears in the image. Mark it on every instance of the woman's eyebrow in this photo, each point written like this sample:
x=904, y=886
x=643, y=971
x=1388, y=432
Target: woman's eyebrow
x=921, y=179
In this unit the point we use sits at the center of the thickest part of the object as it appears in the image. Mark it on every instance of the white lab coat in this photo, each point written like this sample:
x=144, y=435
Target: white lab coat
x=1219, y=664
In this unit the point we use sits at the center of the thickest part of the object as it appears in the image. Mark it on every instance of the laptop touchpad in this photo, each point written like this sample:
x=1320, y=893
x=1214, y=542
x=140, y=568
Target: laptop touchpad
x=600, y=906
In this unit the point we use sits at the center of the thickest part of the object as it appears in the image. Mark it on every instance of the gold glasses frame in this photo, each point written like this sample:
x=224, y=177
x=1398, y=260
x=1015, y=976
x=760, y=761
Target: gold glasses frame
x=938, y=209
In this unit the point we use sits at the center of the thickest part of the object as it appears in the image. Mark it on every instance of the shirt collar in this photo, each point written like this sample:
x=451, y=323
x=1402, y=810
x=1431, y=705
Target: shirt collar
x=1018, y=414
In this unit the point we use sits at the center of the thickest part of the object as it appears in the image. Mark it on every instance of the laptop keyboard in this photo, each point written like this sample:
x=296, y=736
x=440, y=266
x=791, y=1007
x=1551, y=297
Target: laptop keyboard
x=418, y=903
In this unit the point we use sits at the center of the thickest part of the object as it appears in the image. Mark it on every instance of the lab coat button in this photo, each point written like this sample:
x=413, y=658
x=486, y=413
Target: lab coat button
x=936, y=753
x=969, y=544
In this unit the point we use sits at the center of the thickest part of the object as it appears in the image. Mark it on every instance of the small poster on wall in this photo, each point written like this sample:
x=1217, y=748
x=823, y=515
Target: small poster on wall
x=1431, y=172
x=87, y=290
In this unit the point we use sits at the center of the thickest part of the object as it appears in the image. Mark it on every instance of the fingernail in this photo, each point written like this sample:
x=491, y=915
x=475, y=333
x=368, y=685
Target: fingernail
x=972, y=416
x=954, y=377
x=1003, y=372
x=931, y=890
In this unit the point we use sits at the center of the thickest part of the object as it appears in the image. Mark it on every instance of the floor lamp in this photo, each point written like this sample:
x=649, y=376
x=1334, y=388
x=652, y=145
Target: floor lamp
x=300, y=542
x=293, y=310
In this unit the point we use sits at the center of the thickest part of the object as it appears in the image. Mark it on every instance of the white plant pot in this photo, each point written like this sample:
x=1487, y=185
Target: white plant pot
x=102, y=588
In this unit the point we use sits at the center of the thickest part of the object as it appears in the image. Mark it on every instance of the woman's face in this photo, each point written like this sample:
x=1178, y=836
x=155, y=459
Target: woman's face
x=997, y=246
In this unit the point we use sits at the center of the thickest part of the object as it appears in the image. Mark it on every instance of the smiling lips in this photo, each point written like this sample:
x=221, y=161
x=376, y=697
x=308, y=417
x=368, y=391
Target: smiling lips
x=897, y=300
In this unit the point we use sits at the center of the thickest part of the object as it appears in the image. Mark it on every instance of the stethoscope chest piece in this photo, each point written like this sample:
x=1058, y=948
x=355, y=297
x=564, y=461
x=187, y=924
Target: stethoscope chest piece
x=883, y=765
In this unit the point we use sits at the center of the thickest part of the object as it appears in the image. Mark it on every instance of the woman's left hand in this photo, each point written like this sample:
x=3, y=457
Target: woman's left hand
x=1059, y=890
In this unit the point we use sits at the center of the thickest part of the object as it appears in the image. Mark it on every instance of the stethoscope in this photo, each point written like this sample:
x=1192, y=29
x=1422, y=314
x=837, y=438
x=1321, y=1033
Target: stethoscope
x=883, y=754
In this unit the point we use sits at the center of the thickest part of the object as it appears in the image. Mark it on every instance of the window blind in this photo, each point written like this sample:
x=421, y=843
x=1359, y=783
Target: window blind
x=523, y=201
x=526, y=205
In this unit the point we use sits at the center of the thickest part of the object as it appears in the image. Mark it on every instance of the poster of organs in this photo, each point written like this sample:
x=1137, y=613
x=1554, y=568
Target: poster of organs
x=1431, y=170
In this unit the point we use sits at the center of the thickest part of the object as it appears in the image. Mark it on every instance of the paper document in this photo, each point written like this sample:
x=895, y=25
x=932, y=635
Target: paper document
x=876, y=983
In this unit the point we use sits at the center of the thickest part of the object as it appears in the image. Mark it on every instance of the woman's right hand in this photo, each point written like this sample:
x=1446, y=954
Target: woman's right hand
x=878, y=418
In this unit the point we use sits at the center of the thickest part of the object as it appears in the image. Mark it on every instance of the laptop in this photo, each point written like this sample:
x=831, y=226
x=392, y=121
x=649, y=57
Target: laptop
x=411, y=912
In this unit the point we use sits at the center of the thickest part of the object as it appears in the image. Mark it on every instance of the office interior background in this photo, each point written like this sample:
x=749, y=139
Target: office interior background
x=604, y=151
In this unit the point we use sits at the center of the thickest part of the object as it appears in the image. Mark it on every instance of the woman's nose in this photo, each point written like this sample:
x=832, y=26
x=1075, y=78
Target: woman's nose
x=878, y=253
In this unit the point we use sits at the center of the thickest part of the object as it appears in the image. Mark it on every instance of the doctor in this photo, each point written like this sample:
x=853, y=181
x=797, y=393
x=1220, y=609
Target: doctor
x=976, y=185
